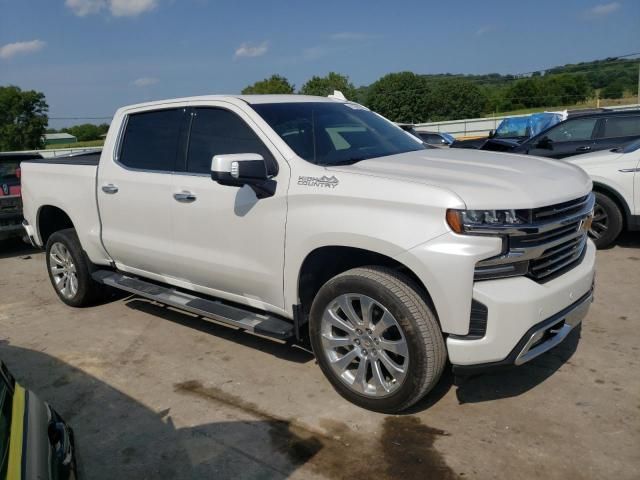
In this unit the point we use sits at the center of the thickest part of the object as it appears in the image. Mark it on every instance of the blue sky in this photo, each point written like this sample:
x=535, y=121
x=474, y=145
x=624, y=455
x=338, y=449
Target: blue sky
x=91, y=56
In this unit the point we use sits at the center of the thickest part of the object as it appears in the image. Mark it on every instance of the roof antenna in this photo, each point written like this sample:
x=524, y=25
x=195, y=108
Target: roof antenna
x=338, y=95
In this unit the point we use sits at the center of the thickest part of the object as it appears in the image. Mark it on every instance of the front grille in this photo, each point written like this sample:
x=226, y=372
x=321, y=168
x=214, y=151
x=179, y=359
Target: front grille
x=553, y=242
x=559, y=210
x=558, y=259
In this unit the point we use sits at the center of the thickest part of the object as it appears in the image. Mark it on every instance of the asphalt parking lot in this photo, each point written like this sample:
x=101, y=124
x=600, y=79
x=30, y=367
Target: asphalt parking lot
x=155, y=393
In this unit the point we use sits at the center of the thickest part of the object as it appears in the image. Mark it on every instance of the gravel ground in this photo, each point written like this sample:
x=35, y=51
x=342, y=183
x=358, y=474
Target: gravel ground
x=155, y=393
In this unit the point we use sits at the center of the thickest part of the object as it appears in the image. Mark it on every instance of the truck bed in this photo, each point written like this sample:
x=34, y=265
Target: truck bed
x=69, y=184
x=91, y=158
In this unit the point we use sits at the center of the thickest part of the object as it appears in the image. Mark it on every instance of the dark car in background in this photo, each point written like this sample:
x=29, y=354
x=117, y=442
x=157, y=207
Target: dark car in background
x=512, y=131
x=587, y=132
x=10, y=193
x=34, y=441
x=436, y=139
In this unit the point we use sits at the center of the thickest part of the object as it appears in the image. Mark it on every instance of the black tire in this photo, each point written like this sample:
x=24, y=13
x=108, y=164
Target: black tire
x=607, y=221
x=426, y=349
x=88, y=290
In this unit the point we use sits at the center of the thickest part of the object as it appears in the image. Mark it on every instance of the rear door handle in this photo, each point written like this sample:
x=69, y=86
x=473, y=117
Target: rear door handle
x=585, y=148
x=110, y=188
x=185, y=197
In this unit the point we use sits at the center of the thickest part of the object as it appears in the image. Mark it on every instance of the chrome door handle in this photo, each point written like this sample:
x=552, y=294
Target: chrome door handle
x=586, y=148
x=110, y=188
x=185, y=197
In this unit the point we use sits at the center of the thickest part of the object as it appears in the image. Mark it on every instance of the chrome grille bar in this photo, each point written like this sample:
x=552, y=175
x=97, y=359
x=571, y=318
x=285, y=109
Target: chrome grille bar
x=554, y=242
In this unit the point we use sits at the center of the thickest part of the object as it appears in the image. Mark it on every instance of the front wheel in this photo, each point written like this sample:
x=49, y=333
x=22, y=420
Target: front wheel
x=376, y=340
x=70, y=271
x=607, y=221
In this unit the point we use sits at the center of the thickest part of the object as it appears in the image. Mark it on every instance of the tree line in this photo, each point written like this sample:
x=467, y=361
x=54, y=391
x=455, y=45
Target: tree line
x=413, y=98
x=84, y=132
x=401, y=96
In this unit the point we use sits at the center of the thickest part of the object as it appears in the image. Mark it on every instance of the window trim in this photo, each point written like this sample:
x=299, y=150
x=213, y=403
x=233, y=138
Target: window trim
x=191, y=109
x=594, y=131
x=117, y=151
x=601, y=133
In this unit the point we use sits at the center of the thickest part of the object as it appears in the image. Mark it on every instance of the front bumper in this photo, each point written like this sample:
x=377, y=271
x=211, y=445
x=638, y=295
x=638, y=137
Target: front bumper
x=526, y=318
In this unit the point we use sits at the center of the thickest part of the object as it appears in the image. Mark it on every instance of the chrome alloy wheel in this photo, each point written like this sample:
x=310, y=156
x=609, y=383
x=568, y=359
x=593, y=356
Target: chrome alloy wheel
x=600, y=222
x=63, y=270
x=364, y=345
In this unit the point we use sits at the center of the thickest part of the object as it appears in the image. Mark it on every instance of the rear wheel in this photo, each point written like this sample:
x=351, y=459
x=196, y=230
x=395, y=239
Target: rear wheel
x=70, y=271
x=376, y=339
x=607, y=221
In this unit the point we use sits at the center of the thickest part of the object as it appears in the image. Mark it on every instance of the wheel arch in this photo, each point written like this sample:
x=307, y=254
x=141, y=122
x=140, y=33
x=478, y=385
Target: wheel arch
x=51, y=219
x=617, y=198
x=324, y=263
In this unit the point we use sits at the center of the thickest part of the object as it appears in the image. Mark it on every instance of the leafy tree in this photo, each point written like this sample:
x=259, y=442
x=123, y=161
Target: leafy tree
x=401, y=97
x=86, y=131
x=452, y=99
x=23, y=118
x=273, y=84
x=323, y=86
x=613, y=90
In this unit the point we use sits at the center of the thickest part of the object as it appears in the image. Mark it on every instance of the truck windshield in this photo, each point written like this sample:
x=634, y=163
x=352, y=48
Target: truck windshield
x=327, y=133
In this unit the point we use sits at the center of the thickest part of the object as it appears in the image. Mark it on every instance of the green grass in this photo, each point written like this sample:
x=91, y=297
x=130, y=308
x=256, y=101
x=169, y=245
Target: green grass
x=90, y=143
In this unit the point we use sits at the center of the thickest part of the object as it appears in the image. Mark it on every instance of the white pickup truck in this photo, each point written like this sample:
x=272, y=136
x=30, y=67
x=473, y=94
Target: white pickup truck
x=310, y=218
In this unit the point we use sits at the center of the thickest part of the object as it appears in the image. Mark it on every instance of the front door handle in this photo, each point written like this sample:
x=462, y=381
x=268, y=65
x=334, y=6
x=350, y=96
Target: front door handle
x=110, y=188
x=185, y=197
x=585, y=148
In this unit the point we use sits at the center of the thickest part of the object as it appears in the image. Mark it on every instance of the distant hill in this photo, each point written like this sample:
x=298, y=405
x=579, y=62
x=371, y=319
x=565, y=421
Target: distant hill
x=599, y=73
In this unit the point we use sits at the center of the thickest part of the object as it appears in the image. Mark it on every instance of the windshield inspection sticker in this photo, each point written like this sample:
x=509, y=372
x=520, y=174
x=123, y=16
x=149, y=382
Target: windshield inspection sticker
x=324, y=181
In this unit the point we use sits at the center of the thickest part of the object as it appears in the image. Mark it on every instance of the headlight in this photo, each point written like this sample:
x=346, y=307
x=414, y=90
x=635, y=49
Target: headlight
x=461, y=221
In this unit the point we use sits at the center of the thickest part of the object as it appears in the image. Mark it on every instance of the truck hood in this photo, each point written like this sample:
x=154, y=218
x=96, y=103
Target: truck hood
x=488, y=180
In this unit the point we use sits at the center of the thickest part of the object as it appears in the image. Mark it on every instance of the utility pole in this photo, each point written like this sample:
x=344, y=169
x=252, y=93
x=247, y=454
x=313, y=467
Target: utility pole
x=638, y=82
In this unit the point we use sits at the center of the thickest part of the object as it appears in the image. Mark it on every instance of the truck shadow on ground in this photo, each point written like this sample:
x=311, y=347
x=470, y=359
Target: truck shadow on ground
x=513, y=381
x=119, y=437
x=284, y=350
x=627, y=240
x=15, y=247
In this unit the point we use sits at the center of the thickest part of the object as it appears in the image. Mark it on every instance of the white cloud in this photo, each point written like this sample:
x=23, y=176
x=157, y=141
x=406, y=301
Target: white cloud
x=145, y=81
x=603, y=9
x=131, y=8
x=351, y=36
x=118, y=8
x=249, y=50
x=21, y=48
x=82, y=8
x=484, y=30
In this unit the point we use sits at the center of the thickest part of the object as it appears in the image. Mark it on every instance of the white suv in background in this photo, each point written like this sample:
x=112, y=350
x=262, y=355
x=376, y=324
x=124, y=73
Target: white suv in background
x=616, y=183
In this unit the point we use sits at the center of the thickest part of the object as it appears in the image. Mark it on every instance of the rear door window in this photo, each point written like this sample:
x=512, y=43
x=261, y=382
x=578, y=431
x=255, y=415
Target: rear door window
x=216, y=131
x=622, y=127
x=151, y=140
x=579, y=129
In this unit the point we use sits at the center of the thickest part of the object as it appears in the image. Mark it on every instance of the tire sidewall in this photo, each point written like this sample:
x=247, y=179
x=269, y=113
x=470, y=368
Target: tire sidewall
x=70, y=240
x=614, y=216
x=417, y=349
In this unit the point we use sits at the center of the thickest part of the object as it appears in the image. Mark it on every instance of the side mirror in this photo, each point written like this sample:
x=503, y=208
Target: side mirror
x=492, y=133
x=238, y=169
x=545, y=142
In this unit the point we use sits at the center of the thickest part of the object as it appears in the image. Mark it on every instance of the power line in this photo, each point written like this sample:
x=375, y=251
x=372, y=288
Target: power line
x=81, y=118
x=506, y=78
